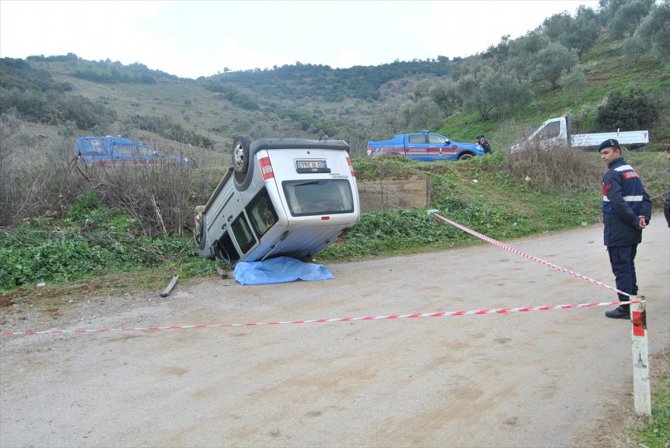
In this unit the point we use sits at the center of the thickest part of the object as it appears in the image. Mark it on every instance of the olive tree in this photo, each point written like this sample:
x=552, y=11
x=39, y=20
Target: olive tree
x=492, y=92
x=549, y=63
x=469, y=87
x=634, y=48
x=422, y=114
x=628, y=16
x=573, y=81
x=422, y=88
x=654, y=31
x=579, y=33
x=498, y=52
x=446, y=96
x=584, y=31
x=556, y=26
x=387, y=119
x=502, y=91
x=521, y=52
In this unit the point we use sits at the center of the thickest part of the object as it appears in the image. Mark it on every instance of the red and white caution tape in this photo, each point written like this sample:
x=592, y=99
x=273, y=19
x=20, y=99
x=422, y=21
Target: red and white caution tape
x=323, y=321
x=525, y=255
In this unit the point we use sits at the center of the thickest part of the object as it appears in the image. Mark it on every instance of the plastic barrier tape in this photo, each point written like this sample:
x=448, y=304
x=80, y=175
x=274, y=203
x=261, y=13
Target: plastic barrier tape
x=322, y=321
x=523, y=254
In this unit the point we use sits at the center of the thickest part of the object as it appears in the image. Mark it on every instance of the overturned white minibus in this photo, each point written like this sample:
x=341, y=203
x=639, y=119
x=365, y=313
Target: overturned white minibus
x=282, y=196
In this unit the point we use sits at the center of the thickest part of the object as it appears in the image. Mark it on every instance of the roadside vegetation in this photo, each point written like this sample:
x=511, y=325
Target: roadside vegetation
x=72, y=223
x=657, y=432
x=631, y=431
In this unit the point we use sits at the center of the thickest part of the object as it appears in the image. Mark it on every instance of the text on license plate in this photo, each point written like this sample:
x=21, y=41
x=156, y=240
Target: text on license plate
x=310, y=164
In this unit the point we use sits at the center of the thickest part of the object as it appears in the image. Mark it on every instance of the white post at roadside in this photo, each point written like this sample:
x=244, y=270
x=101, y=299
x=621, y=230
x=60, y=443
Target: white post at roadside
x=641, y=386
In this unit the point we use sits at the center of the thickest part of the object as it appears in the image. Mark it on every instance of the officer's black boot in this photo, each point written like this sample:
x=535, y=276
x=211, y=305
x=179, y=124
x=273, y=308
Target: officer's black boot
x=620, y=312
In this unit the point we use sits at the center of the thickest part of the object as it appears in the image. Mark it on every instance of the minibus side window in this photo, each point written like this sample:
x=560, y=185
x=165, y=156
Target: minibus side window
x=261, y=213
x=224, y=249
x=243, y=235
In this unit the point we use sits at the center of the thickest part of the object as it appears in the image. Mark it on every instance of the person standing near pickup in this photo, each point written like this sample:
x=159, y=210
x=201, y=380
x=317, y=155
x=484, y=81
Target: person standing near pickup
x=626, y=211
x=484, y=144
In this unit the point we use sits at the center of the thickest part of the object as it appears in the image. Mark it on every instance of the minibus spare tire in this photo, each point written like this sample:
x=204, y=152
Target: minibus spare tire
x=241, y=158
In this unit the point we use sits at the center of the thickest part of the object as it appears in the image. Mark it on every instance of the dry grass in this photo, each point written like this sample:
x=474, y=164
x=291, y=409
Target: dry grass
x=45, y=184
x=161, y=197
x=558, y=168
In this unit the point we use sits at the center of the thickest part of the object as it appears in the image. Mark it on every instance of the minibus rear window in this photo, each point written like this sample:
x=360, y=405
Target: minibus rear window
x=319, y=197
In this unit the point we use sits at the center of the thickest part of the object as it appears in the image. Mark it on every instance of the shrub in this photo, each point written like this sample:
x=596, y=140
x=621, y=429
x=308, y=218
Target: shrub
x=92, y=239
x=160, y=198
x=390, y=231
x=627, y=112
x=387, y=166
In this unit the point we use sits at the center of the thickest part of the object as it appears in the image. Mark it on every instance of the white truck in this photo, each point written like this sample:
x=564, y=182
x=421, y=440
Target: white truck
x=282, y=196
x=555, y=132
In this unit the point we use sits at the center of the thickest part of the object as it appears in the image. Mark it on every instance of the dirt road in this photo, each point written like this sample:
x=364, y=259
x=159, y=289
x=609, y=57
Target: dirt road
x=545, y=378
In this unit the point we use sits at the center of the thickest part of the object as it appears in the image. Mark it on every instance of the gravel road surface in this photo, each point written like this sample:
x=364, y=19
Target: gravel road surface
x=544, y=378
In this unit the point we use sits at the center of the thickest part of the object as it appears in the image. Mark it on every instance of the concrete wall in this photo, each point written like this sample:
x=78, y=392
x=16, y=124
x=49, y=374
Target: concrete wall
x=387, y=194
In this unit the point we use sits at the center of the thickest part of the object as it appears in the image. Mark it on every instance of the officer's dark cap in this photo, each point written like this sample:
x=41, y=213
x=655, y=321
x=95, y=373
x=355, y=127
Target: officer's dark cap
x=609, y=143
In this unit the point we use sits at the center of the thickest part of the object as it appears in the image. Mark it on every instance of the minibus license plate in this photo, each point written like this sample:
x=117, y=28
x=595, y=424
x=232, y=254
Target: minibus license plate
x=310, y=164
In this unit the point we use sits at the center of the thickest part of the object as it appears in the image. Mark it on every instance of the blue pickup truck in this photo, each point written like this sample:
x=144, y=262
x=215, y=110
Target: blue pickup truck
x=425, y=146
x=118, y=151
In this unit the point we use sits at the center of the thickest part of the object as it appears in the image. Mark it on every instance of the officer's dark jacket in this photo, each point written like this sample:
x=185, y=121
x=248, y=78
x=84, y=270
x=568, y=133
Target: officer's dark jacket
x=624, y=201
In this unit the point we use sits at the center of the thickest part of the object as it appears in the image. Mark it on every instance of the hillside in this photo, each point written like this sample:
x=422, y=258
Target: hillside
x=304, y=101
x=69, y=96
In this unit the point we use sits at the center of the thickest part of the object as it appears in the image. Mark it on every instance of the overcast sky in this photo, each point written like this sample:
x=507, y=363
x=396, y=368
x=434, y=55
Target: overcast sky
x=200, y=38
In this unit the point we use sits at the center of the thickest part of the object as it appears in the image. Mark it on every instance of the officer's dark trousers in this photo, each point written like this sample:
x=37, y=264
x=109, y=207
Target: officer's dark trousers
x=622, y=260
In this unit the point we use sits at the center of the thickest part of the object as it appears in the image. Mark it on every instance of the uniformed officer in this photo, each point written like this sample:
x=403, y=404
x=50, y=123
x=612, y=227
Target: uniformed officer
x=626, y=211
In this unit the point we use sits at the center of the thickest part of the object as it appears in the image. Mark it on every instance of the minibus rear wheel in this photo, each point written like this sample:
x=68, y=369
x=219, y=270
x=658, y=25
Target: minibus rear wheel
x=241, y=158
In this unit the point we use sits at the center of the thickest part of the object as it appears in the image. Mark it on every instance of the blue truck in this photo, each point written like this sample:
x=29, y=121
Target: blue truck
x=118, y=151
x=425, y=146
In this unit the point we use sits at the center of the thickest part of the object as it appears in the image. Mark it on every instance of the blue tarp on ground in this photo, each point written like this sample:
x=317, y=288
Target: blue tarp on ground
x=278, y=270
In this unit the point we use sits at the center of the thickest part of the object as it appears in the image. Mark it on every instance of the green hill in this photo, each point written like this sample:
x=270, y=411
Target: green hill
x=567, y=65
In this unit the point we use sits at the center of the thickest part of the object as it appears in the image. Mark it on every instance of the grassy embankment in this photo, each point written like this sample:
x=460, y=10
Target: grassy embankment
x=504, y=196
